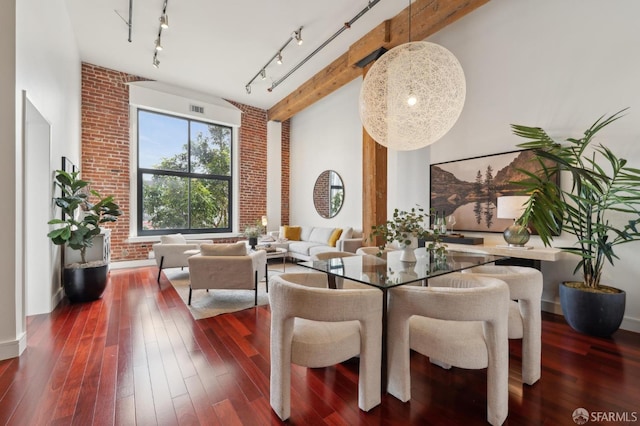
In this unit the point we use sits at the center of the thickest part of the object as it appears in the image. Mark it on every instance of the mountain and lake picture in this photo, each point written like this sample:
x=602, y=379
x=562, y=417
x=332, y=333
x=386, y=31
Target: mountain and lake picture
x=469, y=188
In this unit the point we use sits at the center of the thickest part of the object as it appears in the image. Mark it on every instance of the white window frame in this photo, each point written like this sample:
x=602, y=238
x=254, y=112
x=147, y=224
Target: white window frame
x=162, y=98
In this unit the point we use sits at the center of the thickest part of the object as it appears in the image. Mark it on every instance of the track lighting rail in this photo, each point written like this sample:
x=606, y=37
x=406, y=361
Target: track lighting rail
x=295, y=35
x=347, y=25
x=164, y=24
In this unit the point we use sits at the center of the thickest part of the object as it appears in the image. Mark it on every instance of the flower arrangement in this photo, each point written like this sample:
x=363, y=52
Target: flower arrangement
x=406, y=227
x=252, y=231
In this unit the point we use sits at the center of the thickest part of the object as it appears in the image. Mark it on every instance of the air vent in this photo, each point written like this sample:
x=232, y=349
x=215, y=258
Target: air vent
x=198, y=109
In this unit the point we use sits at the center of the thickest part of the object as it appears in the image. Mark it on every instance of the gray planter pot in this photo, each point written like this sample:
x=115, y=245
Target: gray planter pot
x=595, y=314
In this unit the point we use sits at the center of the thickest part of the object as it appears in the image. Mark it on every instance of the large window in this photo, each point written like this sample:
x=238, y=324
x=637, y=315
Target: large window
x=184, y=175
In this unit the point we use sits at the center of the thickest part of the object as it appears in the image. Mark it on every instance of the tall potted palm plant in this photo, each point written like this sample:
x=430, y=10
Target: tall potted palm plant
x=83, y=281
x=600, y=209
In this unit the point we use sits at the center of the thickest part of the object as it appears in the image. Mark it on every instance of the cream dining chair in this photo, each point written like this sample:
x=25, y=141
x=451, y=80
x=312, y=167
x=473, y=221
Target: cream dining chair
x=314, y=326
x=458, y=320
x=525, y=319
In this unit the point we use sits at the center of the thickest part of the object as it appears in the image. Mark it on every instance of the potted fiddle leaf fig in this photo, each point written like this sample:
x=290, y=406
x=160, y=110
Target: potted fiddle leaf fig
x=600, y=208
x=84, y=211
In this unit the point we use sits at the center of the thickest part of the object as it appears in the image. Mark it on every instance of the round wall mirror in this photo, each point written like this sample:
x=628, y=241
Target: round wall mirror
x=328, y=194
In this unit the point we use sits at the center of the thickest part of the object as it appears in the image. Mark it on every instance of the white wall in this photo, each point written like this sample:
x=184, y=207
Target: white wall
x=48, y=69
x=324, y=137
x=558, y=65
x=12, y=337
x=554, y=64
x=274, y=175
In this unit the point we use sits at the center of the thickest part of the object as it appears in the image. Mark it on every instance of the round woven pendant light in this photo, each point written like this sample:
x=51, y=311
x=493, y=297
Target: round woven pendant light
x=412, y=95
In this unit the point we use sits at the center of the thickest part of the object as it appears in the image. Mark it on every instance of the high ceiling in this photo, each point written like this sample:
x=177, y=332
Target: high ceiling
x=218, y=46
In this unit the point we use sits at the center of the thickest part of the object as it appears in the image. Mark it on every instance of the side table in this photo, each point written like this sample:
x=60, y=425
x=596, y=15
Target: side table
x=276, y=253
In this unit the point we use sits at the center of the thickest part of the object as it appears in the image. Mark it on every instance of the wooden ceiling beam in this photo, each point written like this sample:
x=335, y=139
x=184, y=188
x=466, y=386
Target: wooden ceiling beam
x=428, y=17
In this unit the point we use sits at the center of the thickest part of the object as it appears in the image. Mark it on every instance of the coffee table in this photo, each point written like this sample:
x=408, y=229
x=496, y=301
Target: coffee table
x=276, y=253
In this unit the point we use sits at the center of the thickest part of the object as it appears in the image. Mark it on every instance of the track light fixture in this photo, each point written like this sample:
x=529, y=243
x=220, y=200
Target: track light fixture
x=297, y=35
x=279, y=60
x=263, y=74
x=164, y=21
x=248, y=89
x=164, y=24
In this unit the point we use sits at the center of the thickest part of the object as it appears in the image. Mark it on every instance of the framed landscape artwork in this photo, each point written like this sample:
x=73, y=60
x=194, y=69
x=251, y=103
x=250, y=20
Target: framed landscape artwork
x=469, y=188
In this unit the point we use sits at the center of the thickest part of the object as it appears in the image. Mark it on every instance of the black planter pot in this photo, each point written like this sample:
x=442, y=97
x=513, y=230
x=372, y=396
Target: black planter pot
x=85, y=284
x=595, y=314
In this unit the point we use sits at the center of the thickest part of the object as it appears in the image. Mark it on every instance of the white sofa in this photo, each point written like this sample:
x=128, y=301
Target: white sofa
x=315, y=239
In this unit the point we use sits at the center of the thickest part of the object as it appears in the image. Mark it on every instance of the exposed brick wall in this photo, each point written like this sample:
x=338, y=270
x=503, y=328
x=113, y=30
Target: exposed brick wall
x=105, y=154
x=105, y=147
x=253, y=164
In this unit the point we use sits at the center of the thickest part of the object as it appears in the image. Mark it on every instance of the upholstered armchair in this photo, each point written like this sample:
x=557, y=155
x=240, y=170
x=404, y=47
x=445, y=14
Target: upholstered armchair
x=227, y=266
x=459, y=320
x=173, y=251
x=313, y=326
x=525, y=319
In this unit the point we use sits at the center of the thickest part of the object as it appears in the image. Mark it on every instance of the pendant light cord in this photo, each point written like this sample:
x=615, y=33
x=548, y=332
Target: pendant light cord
x=409, y=21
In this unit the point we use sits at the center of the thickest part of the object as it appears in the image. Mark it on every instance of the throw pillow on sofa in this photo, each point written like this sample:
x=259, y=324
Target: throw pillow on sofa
x=334, y=237
x=292, y=232
x=347, y=233
x=321, y=235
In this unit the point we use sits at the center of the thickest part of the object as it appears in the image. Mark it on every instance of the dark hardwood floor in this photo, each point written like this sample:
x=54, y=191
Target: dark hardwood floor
x=137, y=357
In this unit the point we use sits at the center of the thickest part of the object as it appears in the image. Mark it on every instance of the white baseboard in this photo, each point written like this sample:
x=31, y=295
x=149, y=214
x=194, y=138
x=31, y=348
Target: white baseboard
x=132, y=264
x=553, y=307
x=14, y=348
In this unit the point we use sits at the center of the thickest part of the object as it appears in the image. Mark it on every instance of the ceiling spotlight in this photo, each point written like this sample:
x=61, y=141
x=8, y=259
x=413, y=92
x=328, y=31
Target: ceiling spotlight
x=158, y=45
x=248, y=89
x=156, y=62
x=298, y=36
x=279, y=60
x=263, y=74
x=164, y=21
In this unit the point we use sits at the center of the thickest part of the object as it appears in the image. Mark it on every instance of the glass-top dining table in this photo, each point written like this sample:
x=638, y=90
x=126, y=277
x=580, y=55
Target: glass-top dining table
x=391, y=272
